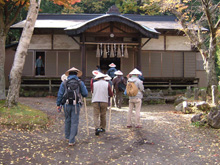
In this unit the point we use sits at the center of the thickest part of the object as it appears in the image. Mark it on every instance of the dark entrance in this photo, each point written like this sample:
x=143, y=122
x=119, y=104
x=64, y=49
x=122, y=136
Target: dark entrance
x=42, y=54
x=104, y=63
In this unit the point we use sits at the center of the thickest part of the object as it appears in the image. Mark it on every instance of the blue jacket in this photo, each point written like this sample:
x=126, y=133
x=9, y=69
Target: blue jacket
x=111, y=72
x=84, y=91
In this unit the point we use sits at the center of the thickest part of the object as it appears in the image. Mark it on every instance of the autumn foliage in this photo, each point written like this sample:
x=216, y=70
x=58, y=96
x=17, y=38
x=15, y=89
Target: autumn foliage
x=65, y=3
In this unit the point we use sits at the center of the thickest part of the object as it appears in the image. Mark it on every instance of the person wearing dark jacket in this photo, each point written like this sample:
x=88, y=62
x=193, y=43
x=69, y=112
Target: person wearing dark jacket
x=71, y=110
x=38, y=65
x=112, y=70
x=119, y=93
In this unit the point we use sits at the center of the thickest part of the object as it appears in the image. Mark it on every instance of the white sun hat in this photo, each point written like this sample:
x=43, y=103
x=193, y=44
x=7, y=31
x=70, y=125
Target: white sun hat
x=135, y=72
x=95, y=72
x=118, y=72
x=112, y=65
x=100, y=75
x=73, y=69
x=63, y=77
x=107, y=77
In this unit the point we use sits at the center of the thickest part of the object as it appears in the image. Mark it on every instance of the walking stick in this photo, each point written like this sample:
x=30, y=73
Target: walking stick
x=110, y=112
x=86, y=116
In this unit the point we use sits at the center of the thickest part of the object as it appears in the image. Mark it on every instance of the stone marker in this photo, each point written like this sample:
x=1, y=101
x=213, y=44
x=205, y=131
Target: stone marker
x=188, y=93
x=203, y=94
x=196, y=94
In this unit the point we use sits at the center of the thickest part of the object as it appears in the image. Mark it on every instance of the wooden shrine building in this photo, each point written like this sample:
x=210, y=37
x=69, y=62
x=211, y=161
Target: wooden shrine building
x=154, y=44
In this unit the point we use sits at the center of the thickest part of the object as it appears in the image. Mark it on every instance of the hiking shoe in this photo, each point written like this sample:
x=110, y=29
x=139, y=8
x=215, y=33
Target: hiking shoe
x=102, y=130
x=97, y=132
x=138, y=126
x=129, y=126
x=72, y=144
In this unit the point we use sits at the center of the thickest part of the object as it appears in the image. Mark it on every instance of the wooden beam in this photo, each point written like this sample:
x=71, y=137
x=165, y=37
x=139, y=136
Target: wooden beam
x=95, y=43
x=107, y=34
x=139, y=54
x=83, y=57
x=75, y=40
x=103, y=29
x=146, y=42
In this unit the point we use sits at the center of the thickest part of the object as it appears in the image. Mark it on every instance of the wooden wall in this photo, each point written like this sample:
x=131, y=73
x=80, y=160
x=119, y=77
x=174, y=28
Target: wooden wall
x=168, y=64
x=50, y=41
x=164, y=42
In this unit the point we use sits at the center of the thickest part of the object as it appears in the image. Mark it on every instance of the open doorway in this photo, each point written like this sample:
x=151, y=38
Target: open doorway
x=104, y=63
x=40, y=63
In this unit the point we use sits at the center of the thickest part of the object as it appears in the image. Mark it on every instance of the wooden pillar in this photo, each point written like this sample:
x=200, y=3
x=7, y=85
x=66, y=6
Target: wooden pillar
x=139, y=54
x=83, y=57
x=50, y=87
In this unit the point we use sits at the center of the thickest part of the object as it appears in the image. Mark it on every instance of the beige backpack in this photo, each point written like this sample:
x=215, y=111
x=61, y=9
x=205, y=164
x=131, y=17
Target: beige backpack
x=131, y=89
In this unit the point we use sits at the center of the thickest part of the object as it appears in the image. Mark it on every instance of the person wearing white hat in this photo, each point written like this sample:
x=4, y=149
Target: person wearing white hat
x=71, y=105
x=100, y=92
x=94, y=73
x=119, y=83
x=112, y=70
x=135, y=101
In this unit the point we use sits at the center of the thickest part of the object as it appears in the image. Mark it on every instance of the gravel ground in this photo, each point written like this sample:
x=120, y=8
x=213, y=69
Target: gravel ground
x=167, y=137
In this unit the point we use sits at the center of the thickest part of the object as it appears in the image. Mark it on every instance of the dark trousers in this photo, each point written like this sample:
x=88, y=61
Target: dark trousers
x=38, y=70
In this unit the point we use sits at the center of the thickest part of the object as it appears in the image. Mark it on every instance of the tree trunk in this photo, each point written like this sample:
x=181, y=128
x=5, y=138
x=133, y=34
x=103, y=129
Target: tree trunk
x=21, y=53
x=210, y=66
x=2, y=65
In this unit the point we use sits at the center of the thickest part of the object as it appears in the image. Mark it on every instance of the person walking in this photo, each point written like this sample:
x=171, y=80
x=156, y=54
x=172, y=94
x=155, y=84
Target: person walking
x=135, y=101
x=109, y=80
x=71, y=104
x=39, y=65
x=119, y=83
x=112, y=70
x=100, y=92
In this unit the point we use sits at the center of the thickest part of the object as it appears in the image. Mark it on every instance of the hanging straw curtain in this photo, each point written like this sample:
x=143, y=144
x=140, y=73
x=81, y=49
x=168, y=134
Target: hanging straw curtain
x=115, y=50
x=101, y=51
x=105, y=52
x=98, y=51
x=119, y=51
x=126, y=52
x=112, y=54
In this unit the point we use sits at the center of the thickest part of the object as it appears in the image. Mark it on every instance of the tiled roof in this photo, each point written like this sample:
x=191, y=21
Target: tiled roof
x=66, y=20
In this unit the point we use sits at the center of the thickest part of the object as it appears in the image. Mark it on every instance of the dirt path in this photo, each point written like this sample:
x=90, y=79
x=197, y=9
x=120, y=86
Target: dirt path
x=167, y=137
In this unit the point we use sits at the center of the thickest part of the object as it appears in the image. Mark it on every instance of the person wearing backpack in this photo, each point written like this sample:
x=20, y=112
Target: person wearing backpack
x=134, y=90
x=112, y=70
x=119, y=83
x=69, y=96
x=101, y=89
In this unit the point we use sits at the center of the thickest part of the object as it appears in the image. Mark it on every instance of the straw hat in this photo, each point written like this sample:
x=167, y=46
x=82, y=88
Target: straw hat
x=135, y=72
x=118, y=72
x=79, y=73
x=100, y=75
x=107, y=77
x=95, y=72
x=63, y=77
x=112, y=65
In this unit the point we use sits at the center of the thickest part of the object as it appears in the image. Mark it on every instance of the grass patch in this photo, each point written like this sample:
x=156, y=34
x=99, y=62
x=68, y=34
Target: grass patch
x=22, y=116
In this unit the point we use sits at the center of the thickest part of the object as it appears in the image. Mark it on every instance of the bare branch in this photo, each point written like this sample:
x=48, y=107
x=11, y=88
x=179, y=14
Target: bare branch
x=17, y=12
x=217, y=25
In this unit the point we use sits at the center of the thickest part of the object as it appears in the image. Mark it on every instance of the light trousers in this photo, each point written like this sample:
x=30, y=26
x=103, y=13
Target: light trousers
x=134, y=103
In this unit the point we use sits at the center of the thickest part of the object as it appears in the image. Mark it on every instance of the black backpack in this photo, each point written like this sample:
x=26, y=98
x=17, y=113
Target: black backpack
x=72, y=94
x=121, y=85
